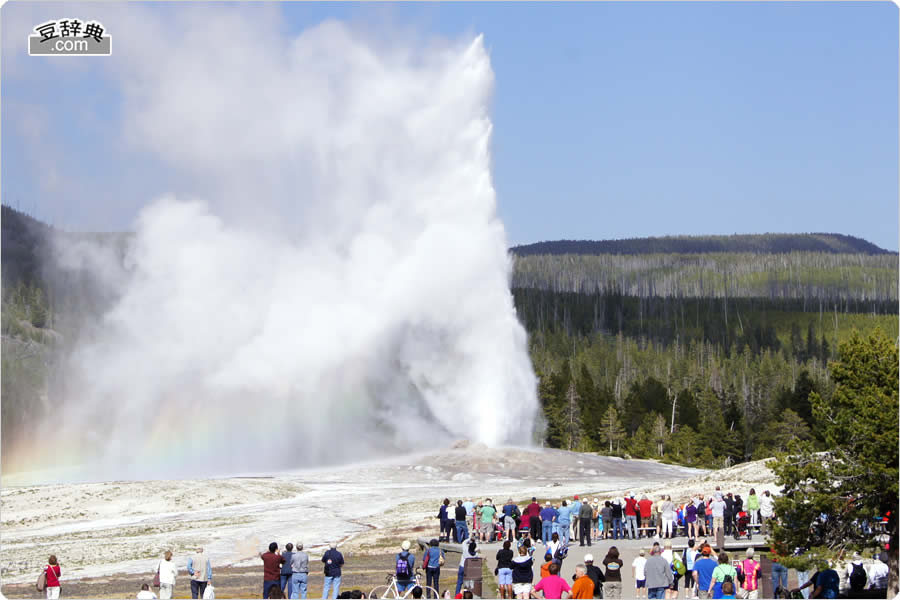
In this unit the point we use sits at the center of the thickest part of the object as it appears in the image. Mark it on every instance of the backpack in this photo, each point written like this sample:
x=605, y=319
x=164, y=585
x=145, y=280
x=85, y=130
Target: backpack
x=402, y=567
x=858, y=578
x=677, y=565
x=561, y=553
x=516, y=513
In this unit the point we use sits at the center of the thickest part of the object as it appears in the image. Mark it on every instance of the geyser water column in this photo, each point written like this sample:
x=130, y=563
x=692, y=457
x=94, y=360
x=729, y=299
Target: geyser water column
x=337, y=285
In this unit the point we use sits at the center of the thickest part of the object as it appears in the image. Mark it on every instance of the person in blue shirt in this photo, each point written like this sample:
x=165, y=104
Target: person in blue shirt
x=828, y=584
x=470, y=514
x=548, y=516
x=703, y=568
x=405, y=574
x=563, y=521
x=200, y=570
x=576, y=507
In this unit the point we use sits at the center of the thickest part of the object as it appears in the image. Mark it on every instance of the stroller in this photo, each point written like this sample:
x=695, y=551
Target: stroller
x=741, y=526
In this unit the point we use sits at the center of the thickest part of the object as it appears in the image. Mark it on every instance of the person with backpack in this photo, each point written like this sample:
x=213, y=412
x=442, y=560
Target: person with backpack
x=689, y=558
x=856, y=574
x=432, y=560
x=504, y=570
x=677, y=568
x=511, y=516
x=748, y=575
x=828, y=583
x=404, y=568
x=722, y=573
x=50, y=578
x=585, y=518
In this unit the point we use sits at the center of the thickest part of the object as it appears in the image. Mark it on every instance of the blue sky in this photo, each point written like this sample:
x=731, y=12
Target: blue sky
x=611, y=120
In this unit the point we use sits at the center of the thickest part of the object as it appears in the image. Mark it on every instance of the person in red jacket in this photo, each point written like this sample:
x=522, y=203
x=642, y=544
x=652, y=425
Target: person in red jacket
x=53, y=572
x=631, y=511
x=646, y=506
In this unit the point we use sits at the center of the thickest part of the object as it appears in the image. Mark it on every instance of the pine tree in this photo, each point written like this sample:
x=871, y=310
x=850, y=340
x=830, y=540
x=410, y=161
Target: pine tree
x=856, y=478
x=660, y=433
x=613, y=432
x=573, y=417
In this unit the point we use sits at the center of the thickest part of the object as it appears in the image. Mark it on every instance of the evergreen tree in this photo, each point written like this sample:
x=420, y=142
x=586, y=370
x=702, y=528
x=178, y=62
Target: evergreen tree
x=613, y=431
x=856, y=478
x=660, y=433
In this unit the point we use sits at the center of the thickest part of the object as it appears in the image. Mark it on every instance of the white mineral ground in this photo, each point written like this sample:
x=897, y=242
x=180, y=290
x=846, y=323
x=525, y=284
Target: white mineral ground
x=124, y=526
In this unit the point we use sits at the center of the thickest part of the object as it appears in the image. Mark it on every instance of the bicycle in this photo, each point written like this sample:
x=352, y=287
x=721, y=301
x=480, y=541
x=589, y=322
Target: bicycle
x=391, y=590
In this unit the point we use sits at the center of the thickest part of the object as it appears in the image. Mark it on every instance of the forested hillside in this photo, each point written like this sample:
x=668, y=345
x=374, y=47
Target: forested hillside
x=765, y=243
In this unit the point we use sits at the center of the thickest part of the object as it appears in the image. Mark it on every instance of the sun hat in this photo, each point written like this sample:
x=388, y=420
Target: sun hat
x=405, y=545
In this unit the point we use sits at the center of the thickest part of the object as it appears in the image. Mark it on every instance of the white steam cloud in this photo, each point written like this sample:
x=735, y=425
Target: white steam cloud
x=337, y=283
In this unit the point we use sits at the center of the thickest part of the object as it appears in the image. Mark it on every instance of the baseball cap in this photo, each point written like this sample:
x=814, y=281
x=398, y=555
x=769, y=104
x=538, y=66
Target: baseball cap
x=588, y=558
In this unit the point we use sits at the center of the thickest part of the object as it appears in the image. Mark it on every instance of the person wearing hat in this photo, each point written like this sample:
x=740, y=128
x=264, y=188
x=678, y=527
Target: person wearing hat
x=405, y=568
x=640, y=577
x=595, y=573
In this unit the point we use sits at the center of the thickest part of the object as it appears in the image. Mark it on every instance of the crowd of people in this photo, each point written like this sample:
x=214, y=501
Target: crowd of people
x=657, y=571
x=588, y=520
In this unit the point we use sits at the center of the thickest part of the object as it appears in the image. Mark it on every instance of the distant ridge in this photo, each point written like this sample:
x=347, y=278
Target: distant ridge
x=763, y=243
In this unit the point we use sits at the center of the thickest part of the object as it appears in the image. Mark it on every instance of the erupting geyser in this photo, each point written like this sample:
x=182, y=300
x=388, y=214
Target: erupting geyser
x=337, y=283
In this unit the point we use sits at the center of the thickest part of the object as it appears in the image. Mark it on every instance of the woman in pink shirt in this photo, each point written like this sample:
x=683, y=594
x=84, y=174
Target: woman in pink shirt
x=552, y=585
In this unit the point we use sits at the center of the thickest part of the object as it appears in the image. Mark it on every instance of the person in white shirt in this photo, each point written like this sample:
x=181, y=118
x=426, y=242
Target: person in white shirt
x=640, y=579
x=878, y=573
x=766, y=510
x=167, y=571
x=145, y=593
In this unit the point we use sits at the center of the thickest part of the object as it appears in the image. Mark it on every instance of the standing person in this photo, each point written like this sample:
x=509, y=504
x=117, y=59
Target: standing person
x=469, y=550
x=299, y=572
x=585, y=519
x=722, y=573
x=462, y=528
x=718, y=515
x=659, y=518
x=552, y=585
x=729, y=512
x=631, y=512
x=333, y=560
x=271, y=569
x=286, y=572
x=704, y=569
x=522, y=573
x=828, y=583
x=667, y=514
x=583, y=586
x=510, y=515
x=748, y=575
x=432, y=561
x=645, y=509
x=689, y=558
x=167, y=572
x=690, y=519
x=470, y=517
x=548, y=516
x=779, y=573
x=766, y=511
x=405, y=568
x=639, y=574
x=673, y=562
x=701, y=516
x=595, y=573
x=597, y=522
x=444, y=520
x=575, y=507
x=201, y=573
x=487, y=521
x=52, y=572
x=612, y=588
x=658, y=573
x=606, y=516
x=504, y=570
x=753, y=507
x=534, y=519
x=563, y=520
x=617, y=519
